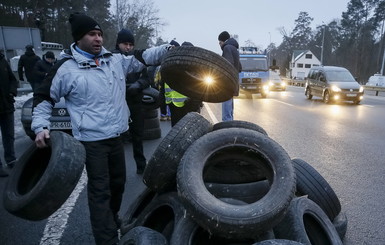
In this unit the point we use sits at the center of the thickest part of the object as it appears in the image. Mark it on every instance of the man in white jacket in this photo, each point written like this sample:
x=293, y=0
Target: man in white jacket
x=92, y=81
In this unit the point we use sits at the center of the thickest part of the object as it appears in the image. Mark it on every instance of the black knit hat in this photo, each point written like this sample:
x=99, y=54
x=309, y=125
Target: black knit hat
x=223, y=36
x=81, y=24
x=175, y=43
x=49, y=54
x=125, y=36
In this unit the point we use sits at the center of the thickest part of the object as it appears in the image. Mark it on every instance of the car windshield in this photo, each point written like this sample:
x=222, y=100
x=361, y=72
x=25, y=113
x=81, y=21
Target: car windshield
x=339, y=76
x=253, y=64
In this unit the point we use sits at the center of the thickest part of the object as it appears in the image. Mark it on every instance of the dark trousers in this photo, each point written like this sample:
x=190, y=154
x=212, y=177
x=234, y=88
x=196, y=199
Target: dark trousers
x=164, y=111
x=136, y=130
x=7, y=125
x=106, y=170
x=178, y=113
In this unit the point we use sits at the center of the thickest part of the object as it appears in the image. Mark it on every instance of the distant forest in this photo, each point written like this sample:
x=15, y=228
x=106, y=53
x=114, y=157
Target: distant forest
x=355, y=41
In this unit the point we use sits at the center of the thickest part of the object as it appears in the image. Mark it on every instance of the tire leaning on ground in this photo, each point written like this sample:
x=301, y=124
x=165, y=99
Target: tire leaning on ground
x=184, y=69
x=316, y=188
x=43, y=179
x=239, y=124
x=306, y=222
x=160, y=172
x=224, y=219
x=278, y=242
x=143, y=236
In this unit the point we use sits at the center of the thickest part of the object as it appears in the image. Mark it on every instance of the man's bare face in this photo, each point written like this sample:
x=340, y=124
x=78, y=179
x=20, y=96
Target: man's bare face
x=92, y=42
x=126, y=46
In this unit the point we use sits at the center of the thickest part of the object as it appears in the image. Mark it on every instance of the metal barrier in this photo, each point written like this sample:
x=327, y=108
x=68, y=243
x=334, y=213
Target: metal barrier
x=291, y=82
x=376, y=89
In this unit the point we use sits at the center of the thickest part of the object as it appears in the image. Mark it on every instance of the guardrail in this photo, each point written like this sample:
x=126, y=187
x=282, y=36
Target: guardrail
x=376, y=89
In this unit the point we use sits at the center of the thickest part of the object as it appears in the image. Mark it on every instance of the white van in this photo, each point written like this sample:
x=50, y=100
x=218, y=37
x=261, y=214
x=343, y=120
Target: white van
x=376, y=80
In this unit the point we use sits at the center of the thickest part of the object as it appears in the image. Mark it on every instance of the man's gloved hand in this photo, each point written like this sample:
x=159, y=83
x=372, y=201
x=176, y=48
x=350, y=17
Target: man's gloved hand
x=133, y=88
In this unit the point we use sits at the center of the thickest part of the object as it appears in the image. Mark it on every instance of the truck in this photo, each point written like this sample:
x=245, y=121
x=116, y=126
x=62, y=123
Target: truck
x=254, y=77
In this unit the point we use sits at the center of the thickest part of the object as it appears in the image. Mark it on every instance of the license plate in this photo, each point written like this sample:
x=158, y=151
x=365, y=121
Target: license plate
x=351, y=95
x=61, y=125
x=251, y=87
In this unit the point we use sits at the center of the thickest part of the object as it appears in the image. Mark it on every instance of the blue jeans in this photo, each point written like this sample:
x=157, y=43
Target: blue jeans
x=7, y=126
x=227, y=110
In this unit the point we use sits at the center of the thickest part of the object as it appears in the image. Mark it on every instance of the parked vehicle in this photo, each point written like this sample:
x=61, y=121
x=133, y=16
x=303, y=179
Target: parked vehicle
x=376, y=80
x=333, y=84
x=254, y=77
x=276, y=83
x=60, y=119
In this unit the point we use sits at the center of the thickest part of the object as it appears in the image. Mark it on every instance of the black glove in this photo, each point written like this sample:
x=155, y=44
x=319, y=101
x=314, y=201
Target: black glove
x=133, y=88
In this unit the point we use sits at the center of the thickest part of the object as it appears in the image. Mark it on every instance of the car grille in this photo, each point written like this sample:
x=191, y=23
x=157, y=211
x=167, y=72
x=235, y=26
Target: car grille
x=350, y=90
x=251, y=80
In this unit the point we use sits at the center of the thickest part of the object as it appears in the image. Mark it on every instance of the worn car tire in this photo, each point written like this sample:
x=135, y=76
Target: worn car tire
x=247, y=192
x=224, y=219
x=152, y=133
x=150, y=113
x=44, y=178
x=316, y=188
x=140, y=235
x=160, y=172
x=130, y=217
x=278, y=242
x=306, y=222
x=184, y=69
x=239, y=124
x=150, y=98
x=340, y=222
x=162, y=213
x=151, y=123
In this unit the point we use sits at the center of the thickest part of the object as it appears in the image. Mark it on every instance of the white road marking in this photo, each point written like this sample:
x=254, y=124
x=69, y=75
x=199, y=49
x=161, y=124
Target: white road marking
x=282, y=102
x=211, y=114
x=57, y=222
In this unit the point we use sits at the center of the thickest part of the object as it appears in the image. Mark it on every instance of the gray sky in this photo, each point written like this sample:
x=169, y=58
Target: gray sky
x=201, y=21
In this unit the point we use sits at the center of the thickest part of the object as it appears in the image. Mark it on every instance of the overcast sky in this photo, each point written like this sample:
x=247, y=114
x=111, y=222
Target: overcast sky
x=201, y=21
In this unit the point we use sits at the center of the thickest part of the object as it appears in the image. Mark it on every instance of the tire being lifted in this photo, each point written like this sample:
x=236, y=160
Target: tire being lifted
x=44, y=178
x=186, y=68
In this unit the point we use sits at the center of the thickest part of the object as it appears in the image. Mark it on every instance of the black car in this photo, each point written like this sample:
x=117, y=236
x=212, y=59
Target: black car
x=60, y=119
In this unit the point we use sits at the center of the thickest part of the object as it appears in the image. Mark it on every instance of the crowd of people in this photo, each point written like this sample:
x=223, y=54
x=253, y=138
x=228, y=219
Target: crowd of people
x=87, y=75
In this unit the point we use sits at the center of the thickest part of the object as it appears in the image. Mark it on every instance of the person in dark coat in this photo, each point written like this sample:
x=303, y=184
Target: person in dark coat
x=135, y=83
x=42, y=67
x=230, y=52
x=8, y=90
x=27, y=62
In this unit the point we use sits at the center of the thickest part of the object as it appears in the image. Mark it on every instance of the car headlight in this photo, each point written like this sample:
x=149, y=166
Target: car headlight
x=334, y=88
x=283, y=84
x=271, y=83
x=361, y=89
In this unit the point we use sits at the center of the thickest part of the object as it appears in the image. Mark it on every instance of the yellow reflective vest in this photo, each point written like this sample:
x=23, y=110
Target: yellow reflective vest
x=173, y=96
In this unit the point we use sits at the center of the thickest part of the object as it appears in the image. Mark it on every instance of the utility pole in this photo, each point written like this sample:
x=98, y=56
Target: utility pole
x=117, y=14
x=269, y=47
x=322, y=47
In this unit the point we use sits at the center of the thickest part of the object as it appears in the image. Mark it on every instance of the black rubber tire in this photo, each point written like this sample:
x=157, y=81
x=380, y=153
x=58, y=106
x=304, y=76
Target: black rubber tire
x=151, y=123
x=184, y=69
x=160, y=172
x=43, y=179
x=130, y=217
x=340, y=222
x=306, y=222
x=278, y=242
x=308, y=94
x=239, y=124
x=234, y=221
x=162, y=213
x=247, y=192
x=150, y=114
x=150, y=100
x=326, y=99
x=140, y=235
x=316, y=188
x=188, y=232
x=152, y=133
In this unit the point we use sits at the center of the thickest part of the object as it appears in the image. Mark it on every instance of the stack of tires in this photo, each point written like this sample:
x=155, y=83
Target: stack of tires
x=150, y=105
x=230, y=183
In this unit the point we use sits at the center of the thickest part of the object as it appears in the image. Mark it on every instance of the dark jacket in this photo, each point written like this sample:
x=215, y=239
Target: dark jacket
x=8, y=87
x=231, y=54
x=42, y=67
x=28, y=61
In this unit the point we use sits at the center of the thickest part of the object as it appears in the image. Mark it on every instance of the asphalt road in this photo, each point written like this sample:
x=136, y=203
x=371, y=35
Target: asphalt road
x=344, y=142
